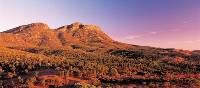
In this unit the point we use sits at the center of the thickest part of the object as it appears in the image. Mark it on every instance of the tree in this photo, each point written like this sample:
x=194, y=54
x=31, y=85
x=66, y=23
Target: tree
x=66, y=74
x=61, y=73
x=12, y=83
x=1, y=83
x=58, y=82
x=30, y=82
x=43, y=83
x=70, y=70
x=20, y=80
x=113, y=71
x=10, y=75
x=35, y=73
x=77, y=72
x=26, y=71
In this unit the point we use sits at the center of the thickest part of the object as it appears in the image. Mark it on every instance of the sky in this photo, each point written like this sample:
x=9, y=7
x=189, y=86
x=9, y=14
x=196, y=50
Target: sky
x=158, y=23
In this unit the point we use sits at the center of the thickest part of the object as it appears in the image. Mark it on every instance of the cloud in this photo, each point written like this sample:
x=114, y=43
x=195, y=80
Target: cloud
x=130, y=37
x=188, y=42
x=175, y=30
x=186, y=21
x=153, y=32
x=152, y=43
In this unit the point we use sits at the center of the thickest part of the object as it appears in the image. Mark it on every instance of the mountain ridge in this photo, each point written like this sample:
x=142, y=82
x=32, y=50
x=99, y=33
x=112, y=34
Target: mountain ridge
x=41, y=35
x=73, y=36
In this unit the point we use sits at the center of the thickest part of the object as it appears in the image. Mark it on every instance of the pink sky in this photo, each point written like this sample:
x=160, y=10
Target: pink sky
x=159, y=23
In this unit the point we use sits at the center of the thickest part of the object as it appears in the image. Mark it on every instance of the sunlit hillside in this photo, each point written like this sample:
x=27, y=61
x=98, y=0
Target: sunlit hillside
x=78, y=55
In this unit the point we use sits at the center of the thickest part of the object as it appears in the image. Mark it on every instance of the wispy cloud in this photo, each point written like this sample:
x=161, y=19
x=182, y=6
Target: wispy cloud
x=187, y=21
x=188, y=42
x=198, y=40
x=153, y=32
x=130, y=37
x=175, y=30
x=191, y=41
x=151, y=43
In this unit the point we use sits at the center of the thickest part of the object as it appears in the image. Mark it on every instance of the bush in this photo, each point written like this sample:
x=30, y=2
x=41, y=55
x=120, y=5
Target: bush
x=113, y=71
x=83, y=85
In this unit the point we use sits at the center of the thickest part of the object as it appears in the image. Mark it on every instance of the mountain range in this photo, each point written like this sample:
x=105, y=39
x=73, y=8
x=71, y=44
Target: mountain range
x=35, y=55
x=87, y=38
x=39, y=35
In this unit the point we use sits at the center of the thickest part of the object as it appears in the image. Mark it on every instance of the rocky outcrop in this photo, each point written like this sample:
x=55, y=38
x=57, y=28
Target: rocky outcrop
x=40, y=35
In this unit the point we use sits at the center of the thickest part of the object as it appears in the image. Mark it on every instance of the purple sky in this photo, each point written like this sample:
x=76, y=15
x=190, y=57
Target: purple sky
x=160, y=23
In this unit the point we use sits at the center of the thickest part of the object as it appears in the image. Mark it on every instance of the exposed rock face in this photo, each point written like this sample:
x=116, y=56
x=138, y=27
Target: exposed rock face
x=36, y=34
x=10, y=40
x=86, y=33
x=40, y=35
x=34, y=27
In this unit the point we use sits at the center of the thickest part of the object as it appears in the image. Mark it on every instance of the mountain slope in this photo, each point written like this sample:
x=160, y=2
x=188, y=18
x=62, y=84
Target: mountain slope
x=40, y=35
x=89, y=38
x=34, y=51
x=36, y=34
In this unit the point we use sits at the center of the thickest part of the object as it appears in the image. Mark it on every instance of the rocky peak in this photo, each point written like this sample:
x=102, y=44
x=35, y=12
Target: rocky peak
x=85, y=33
x=76, y=24
x=39, y=25
x=39, y=34
x=30, y=27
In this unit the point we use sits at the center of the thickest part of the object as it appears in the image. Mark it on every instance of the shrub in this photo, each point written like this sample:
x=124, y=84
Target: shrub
x=20, y=80
x=113, y=71
x=83, y=85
